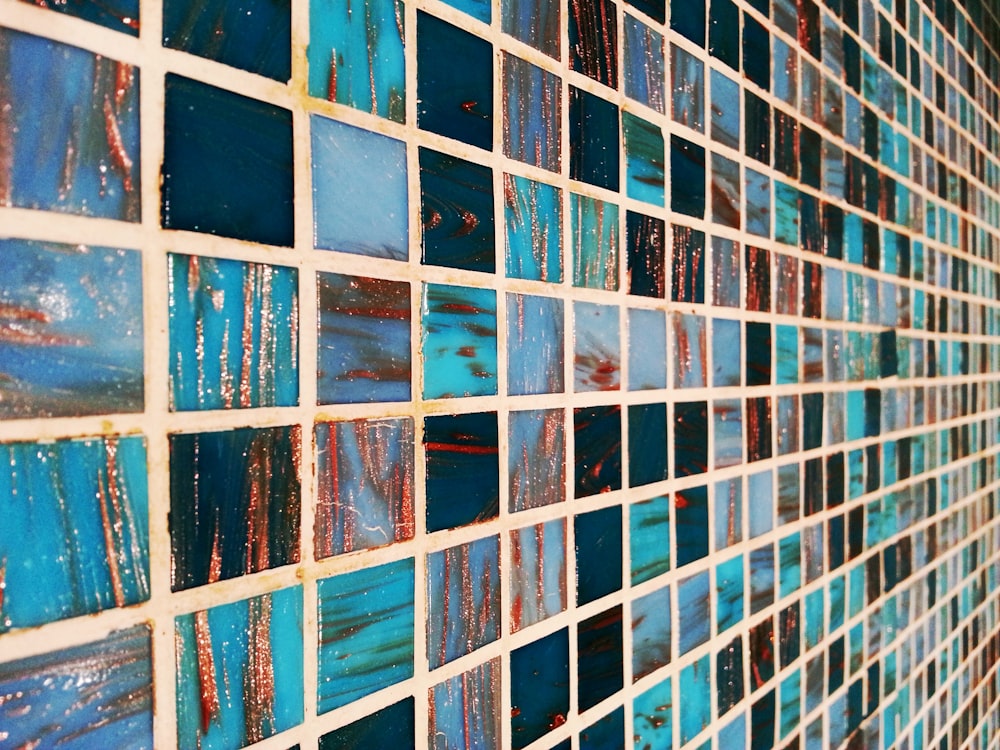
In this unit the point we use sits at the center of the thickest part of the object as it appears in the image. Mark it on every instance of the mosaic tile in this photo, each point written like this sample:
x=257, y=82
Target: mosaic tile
x=597, y=347
x=253, y=36
x=456, y=203
x=76, y=538
x=695, y=712
x=687, y=79
x=644, y=161
x=687, y=167
x=454, y=100
x=650, y=633
x=694, y=608
x=235, y=498
x=653, y=717
x=459, y=343
x=392, y=724
x=71, y=320
x=595, y=234
x=359, y=191
x=688, y=350
x=532, y=114
x=594, y=137
x=220, y=148
x=690, y=438
x=233, y=334
x=647, y=349
x=534, y=22
x=95, y=693
x=598, y=450
x=364, y=339
x=593, y=40
x=85, y=161
x=599, y=657
x=535, y=357
x=364, y=475
x=366, y=621
x=538, y=573
x=465, y=710
x=536, y=458
x=645, y=243
x=239, y=671
x=462, y=615
x=357, y=60
x=649, y=538
x=598, y=538
x=539, y=687
x=691, y=514
x=606, y=732
x=643, y=61
x=461, y=451
x=533, y=217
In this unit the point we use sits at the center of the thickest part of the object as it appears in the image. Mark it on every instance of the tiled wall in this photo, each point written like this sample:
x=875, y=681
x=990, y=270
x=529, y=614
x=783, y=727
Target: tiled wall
x=499, y=373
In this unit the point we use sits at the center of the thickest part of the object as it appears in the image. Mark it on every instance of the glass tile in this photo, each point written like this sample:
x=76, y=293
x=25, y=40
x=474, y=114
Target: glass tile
x=532, y=114
x=538, y=573
x=459, y=344
x=535, y=362
x=465, y=710
x=461, y=450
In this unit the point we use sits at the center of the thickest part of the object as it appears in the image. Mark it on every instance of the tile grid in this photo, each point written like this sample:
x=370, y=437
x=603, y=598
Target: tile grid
x=309, y=261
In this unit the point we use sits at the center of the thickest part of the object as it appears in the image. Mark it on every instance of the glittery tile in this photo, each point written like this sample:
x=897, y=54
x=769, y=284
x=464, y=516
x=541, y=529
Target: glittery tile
x=644, y=65
x=364, y=475
x=593, y=39
x=725, y=110
x=534, y=22
x=234, y=503
x=356, y=58
x=359, y=183
x=647, y=349
x=599, y=657
x=462, y=469
x=454, y=100
x=649, y=538
x=233, y=334
x=687, y=79
x=688, y=350
x=539, y=690
x=687, y=167
x=645, y=243
x=366, y=621
x=71, y=321
x=465, y=710
x=535, y=359
x=364, y=339
x=75, y=536
x=456, y=204
x=729, y=675
x=538, y=573
x=532, y=114
x=85, y=160
x=728, y=513
x=650, y=633
x=393, y=725
x=239, y=671
x=761, y=578
x=227, y=164
x=598, y=450
x=594, y=138
x=597, y=347
x=459, y=341
x=725, y=272
x=253, y=35
x=463, y=599
x=536, y=458
x=598, y=538
x=99, y=694
x=533, y=220
x=725, y=189
x=595, y=243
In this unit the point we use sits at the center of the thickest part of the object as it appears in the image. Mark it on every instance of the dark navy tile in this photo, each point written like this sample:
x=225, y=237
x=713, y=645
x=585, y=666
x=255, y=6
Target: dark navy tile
x=462, y=469
x=454, y=100
x=598, y=449
x=539, y=688
x=599, y=657
x=227, y=164
x=594, y=140
x=598, y=553
x=593, y=39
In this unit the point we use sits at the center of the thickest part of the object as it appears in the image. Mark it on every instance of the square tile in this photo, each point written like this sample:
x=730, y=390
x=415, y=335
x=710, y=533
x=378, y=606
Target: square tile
x=459, y=343
x=461, y=451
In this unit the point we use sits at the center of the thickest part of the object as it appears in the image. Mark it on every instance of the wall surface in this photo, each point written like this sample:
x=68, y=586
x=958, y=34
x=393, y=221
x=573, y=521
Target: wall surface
x=499, y=374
